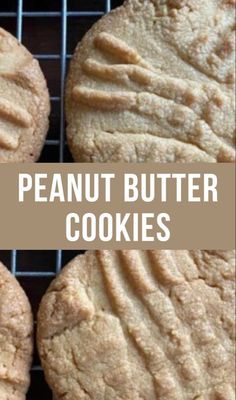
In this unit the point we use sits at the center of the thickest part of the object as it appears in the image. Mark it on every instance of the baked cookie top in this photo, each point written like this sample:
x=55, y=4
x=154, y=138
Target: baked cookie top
x=141, y=325
x=24, y=102
x=16, y=326
x=153, y=81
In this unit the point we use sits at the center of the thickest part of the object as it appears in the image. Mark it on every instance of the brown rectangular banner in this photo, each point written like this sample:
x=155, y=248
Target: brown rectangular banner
x=117, y=206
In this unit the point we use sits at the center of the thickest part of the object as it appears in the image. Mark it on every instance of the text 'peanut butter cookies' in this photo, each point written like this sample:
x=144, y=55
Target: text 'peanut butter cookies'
x=141, y=325
x=153, y=81
x=16, y=343
x=24, y=103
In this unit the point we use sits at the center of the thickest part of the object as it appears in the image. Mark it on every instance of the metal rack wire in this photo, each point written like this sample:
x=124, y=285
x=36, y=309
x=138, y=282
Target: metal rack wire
x=34, y=269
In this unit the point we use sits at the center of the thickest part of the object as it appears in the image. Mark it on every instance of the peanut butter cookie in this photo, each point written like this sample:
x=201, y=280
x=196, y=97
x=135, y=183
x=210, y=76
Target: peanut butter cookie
x=141, y=325
x=16, y=342
x=24, y=103
x=154, y=81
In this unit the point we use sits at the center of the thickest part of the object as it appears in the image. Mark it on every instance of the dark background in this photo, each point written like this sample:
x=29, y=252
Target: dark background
x=43, y=36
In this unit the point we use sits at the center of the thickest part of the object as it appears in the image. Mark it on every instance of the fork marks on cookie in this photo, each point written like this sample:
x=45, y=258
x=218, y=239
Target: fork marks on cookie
x=168, y=322
x=14, y=118
x=117, y=47
x=15, y=114
x=178, y=109
x=103, y=99
x=8, y=141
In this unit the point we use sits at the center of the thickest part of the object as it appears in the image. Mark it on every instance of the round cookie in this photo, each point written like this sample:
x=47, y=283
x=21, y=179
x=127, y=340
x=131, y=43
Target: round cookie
x=141, y=325
x=16, y=342
x=154, y=81
x=24, y=102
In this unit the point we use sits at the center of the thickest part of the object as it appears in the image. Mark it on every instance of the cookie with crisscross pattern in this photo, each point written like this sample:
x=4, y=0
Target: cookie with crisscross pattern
x=141, y=325
x=154, y=81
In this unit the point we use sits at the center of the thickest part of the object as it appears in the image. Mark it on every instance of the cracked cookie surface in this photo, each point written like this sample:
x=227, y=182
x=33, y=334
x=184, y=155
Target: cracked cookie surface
x=141, y=325
x=24, y=103
x=154, y=81
x=16, y=342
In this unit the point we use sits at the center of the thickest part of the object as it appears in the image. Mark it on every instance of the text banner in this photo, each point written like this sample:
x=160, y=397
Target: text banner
x=117, y=206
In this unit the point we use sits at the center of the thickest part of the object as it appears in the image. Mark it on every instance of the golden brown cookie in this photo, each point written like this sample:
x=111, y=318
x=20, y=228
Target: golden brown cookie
x=154, y=81
x=16, y=342
x=141, y=325
x=24, y=103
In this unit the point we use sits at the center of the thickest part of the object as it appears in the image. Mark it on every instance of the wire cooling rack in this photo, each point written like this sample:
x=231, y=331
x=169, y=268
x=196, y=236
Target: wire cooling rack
x=50, y=30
